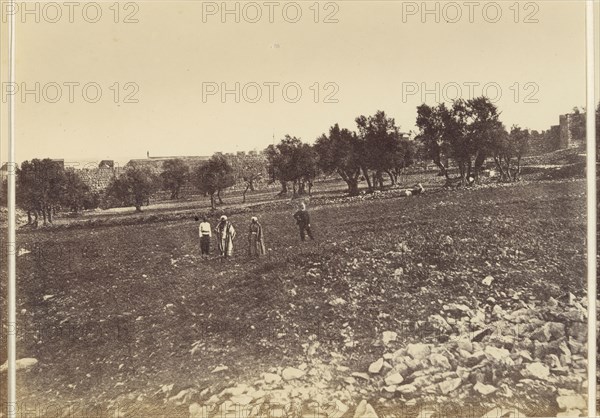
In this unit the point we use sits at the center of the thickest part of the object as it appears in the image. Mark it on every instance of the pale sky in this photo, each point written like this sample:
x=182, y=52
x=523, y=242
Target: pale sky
x=375, y=51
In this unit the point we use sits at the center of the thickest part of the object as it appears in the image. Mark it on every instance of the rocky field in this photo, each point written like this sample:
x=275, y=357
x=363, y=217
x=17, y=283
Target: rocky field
x=452, y=303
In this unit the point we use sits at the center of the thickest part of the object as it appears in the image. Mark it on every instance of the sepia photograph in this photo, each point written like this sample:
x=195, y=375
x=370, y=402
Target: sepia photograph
x=297, y=209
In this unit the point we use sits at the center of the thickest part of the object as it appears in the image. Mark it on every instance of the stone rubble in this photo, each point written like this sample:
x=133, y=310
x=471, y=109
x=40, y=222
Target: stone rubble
x=529, y=357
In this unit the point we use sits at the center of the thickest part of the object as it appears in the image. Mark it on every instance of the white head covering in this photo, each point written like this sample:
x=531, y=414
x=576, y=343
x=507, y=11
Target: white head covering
x=302, y=205
x=254, y=218
x=223, y=218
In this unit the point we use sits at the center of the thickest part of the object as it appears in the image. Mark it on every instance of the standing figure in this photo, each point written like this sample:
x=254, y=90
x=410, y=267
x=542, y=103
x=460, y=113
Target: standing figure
x=225, y=236
x=256, y=243
x=204, y=231
x=303, y=221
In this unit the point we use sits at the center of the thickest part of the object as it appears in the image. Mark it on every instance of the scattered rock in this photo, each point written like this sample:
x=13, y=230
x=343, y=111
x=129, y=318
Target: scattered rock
x=407, y=389
x=488, y=280
x=364, y=410
x=570, y=402
x=389, y=336
x=21, y=364
x=484, y=389
x=536, y=370
x=271, y=378
x=337, y=302
x=418, y=351
x=448, y=386
x=439, y=323
x=394, y=379
x=335, y=409
x=376, y=366
x=439, y=360
x=220, y=369
x=291, y=373
x=197, y=411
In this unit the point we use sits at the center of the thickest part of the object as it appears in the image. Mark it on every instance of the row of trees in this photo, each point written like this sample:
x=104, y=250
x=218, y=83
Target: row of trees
x=137, y=184
x=469, y=132
x=377, y=148
x=221, y=171
x=45, y=187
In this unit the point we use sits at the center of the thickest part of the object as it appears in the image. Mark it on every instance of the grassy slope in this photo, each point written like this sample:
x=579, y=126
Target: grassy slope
x=112, y=286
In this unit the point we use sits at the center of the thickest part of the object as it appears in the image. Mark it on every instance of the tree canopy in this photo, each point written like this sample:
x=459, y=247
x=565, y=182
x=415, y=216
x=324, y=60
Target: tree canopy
x=134, y=187
x=214, y=176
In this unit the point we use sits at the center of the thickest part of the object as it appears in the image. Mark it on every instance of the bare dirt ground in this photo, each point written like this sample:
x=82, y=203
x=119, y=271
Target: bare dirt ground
x=130, y=318
x=124, y=310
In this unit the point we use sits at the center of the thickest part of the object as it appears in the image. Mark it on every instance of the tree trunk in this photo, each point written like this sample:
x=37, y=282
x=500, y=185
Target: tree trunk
x=219, y=197
x=352, y=186
x=366, y=175
x=442, y=167
x=138, y=207
x=469, y=171
x=392, y=178
x=245, y=191
x=284, y=188
x=461, y=169
x=212, y=201
x=44, y=215
x=29, y=220
x=509, y=176
x=380, y=179
x=518, y=173
x=50, y=214
x=498, y=162
x=479, y=161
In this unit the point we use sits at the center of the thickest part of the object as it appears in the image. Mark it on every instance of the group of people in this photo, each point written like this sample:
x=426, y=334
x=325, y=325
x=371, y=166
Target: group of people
x=225, y=234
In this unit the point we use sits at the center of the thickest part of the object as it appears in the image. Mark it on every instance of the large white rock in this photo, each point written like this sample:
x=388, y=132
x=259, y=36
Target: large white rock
x=21, y=364
x=365, y=410
x=394, y=379
x=389, y=336
x=484, y=389
x=571, y=402
x=335, y=409
x=198, y=411
x=449, y=385
x=440, y=360
x=407, y=389
x=291, y=373
x=418, y=351
x=271, y=378
x=376, y=366
x=439, y=323
x=499, y=354
x=537, y=370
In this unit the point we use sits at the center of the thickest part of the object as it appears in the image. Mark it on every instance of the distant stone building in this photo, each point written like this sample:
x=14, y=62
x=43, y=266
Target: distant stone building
x=4, y=172
x=567, y=124
x=98, y=179
x=155, y=164
x=565, y=131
